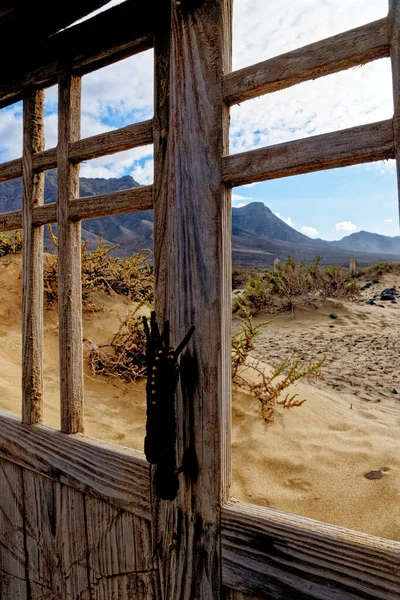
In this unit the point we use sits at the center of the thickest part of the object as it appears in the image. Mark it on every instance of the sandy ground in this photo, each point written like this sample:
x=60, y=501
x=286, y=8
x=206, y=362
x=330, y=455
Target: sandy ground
x=313, y=459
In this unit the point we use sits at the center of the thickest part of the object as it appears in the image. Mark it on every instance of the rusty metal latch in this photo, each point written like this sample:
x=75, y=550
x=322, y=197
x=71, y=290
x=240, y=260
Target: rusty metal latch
x=162, y=378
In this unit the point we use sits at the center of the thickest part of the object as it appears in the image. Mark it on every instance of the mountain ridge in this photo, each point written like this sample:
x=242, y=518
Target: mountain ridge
x=258, y=235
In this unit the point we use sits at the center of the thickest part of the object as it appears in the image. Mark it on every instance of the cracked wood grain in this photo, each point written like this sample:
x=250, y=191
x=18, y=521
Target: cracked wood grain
x=69, y=259
x=343, y=51
x=13, y=585
x=276, y=555
x=192, y=277
x=32, y=280
x=365, y=143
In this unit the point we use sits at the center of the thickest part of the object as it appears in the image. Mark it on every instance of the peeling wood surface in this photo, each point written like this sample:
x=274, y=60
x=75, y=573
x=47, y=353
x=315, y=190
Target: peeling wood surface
x=11, y=220
x=365, y=143
x=116, y=474
x=115, y=203
x=276, y=555
x=192, y=270
x=125, y=138
x=13, y=585
x=32, y=280
x=106, y=38
x=58, y=543
x=69, y=259
x=343, y=51
x=11, y=170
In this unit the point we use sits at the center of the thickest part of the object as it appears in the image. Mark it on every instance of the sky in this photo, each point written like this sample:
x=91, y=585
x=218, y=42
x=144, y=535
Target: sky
x=328, y=204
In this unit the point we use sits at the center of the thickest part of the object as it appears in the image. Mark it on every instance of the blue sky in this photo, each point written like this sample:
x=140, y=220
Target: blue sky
x=328, y=204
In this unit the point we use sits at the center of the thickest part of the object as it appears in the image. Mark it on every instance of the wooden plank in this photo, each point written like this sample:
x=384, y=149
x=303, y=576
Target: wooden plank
x=56, y=540
x=365, y=143
x=69, y=259
x=191, y=280
x=394, y=34
x=46, y=160
x=10, y=221
x=106, y=38
x=26, y=21
x=32, y=276
x=275, y=555
x=43, y=540
x=13, y=583
x=125, y=138
x=115, y=203
x=111, y=551
x=231, y=594
x=11, y=170
x=72, y=540
x=113, y=473
x=148, y=580
x=355, y=47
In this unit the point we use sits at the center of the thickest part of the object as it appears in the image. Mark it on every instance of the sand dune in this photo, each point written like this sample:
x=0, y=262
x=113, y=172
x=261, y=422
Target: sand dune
x=313, y=459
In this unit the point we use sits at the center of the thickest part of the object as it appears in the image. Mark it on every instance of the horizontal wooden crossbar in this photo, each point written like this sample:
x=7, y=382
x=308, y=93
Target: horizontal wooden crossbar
x=125, y=138
x=112, y=473
x=365, y=143
x=272, y=554
x=115, y=203
x=349, y=49
x=108, y=37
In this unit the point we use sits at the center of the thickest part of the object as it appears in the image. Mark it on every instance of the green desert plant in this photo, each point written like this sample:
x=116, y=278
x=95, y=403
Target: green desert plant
x=10, y=243
x=294, y=283
x=131, y=277
x=270, y=388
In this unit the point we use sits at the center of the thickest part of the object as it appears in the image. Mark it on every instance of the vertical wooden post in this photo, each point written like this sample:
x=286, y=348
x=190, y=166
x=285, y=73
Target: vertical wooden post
x=192, y=242
x=69, y=259
x=394, y=37
x=32, y=295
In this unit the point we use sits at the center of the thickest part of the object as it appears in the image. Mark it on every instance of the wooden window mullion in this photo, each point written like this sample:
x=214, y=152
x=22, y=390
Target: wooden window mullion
x=69, y=259
x=32, y=302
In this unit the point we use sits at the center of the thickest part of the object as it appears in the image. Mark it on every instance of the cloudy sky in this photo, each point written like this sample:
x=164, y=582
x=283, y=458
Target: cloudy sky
x=329, y=204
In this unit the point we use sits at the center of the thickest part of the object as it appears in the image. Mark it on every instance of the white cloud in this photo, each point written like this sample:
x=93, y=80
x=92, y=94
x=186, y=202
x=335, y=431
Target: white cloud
x=238, y=198
x=345, y=226
x=310, y=231
x=143, y=174
x=286, y=220
x=116, y=165
x=388, y=220
x=263, y=29
x=349, y=98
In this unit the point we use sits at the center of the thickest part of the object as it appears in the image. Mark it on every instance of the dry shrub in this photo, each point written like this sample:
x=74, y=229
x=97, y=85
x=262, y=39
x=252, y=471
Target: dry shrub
x=243, y=341
x=270, y=388
x=378, y=269
x=10, y=243
x=125, y=356
x=302, y=283
x=132, y=276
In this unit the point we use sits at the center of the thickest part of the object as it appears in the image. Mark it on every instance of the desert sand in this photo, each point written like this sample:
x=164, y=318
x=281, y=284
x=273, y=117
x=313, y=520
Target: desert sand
x=313, y=459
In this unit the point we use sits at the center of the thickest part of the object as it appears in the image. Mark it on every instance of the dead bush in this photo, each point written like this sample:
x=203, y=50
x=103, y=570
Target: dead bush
x=10, y=243
x=131, y=277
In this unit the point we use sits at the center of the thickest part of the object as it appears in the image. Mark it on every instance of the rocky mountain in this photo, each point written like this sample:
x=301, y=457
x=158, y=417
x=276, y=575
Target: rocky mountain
x=364, y=241
x=258, y=236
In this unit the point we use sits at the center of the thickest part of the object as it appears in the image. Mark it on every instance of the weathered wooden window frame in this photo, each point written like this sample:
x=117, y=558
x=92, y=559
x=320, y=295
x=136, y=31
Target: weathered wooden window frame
x=263, y=552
